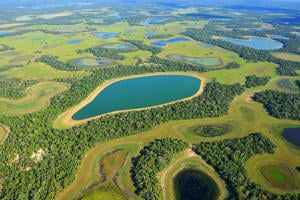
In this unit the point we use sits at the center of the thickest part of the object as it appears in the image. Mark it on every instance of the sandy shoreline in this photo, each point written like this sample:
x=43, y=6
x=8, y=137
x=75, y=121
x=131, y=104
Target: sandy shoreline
x=65, y=120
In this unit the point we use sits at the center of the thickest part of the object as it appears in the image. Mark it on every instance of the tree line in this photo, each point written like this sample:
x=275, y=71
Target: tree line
x=280, y=104
x=153, y=159
x=65, y=148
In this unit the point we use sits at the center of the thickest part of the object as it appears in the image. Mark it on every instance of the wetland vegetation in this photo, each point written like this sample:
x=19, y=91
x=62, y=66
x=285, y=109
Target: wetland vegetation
x=55, y=55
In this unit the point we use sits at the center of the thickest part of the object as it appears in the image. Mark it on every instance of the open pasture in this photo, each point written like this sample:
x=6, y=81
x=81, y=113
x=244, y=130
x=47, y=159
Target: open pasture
x=4, y=131
x=288, y=56
x=209, y=62
x=37, y=98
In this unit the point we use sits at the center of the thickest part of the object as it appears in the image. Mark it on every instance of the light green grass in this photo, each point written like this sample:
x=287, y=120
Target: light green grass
x=4, y=131
x=107, y=192
x=288, y=56
x=37, y=98
x=39, y=71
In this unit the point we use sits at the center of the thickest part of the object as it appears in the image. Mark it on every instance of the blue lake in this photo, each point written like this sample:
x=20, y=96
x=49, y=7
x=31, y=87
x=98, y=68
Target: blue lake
x=149, y=34
x=162, y=43
x=127, y=32
x=255, y=43
x=140, y=92
x=206, y=45
x=106, y=35
x=156, y=20
x=92, y=62
x=280, y=37
x=292, y=135
x=4, y=33
x=119, y=46
x=74, y=41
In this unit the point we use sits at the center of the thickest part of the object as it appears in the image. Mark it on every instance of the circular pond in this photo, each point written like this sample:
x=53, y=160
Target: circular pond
x=191, y=184
x=92, y=62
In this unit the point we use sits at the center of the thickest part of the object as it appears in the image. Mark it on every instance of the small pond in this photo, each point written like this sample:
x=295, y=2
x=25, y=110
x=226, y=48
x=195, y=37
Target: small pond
x=191, y=184
x=162, y=43
x=259, y=43
x=105, y=35
x=92, y=62
x=156, y=20
x=292, y=135
x=74, y=41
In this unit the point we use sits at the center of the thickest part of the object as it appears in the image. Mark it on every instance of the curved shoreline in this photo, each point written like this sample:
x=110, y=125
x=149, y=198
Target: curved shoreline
x=65, y=120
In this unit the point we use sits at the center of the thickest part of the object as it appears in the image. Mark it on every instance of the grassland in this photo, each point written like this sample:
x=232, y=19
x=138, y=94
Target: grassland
x=4, y=131
x=245, y=115
x=288, y=56
x=107, y=192
x=37, y=98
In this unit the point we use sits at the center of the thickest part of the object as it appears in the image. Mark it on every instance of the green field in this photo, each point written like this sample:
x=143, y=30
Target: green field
x=288, y=56
x=106, y=192
x=95, y=166
x=37, y=98
x=4, y=131
x=206, y=61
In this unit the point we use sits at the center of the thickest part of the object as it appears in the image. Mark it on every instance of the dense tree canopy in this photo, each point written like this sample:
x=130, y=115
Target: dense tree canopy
x=153, y=159
x=229, y=157
x=279, y=104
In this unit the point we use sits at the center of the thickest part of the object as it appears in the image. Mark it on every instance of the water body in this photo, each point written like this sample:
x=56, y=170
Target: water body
x=191, y=184
x=149, y=34
x=106, y=35
x=280, y=37
x=141, y=92
x=207, y=16
x=92, y=62
x=255, y=43
x=206, y=45
x=207, y=61
x=119, y=46
x=127, y=32
x=4, y=33
x=292, y=135
x=74, y=41
x=156, y=20
x=162, y=43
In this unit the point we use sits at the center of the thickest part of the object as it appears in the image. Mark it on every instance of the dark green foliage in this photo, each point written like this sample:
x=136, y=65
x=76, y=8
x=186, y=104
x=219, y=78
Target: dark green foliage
x=65, y=148
x=153, y=159
x=139, y=44
x=253, y=81
x=160, y=36
x=6, y=48
x=232, y=65
x=15, y=88
x=280, y=104
x=229, y=157
x=106, y=52
x=57, y=64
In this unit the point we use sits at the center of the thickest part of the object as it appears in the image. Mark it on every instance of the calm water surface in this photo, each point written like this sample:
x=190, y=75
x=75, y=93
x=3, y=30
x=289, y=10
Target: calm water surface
x=140, y=92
